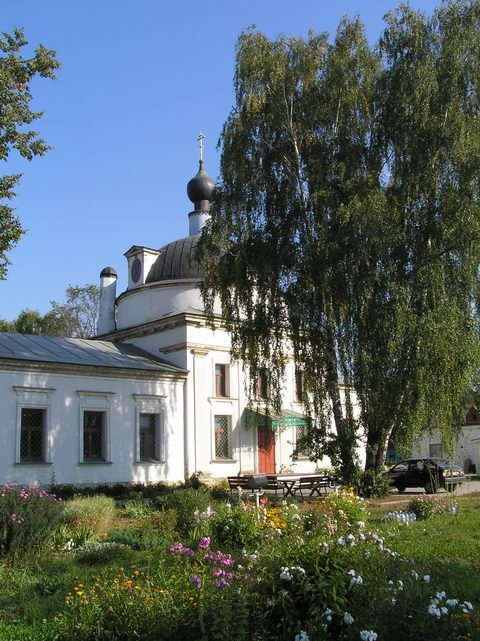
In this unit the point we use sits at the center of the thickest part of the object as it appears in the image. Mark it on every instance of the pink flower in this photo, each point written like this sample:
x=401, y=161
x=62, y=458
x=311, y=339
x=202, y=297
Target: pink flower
x=204, y=542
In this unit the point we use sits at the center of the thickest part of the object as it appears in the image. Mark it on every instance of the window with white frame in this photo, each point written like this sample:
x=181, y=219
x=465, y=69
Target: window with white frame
x=222, y=380
x=150, y=430
x=94, y=427
x=150, y=437
x=223, y=436
x=94, y=435
x=33, y=424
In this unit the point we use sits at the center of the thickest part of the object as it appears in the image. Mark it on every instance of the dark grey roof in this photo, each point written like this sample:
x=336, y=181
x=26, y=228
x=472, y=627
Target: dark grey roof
x=176, y=261
x=79, y=351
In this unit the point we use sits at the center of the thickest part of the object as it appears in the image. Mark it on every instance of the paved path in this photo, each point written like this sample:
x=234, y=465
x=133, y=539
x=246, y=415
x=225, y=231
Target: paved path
x=466, y=488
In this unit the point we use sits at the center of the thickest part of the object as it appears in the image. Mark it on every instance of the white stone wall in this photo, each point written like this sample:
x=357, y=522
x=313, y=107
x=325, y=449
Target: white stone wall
x=468, y=446
x=122, y=398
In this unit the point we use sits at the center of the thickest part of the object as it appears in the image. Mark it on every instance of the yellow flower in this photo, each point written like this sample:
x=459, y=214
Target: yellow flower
x=79, y=592
x=110, y=609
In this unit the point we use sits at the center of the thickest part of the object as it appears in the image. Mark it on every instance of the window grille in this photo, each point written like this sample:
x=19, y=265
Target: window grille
x=222, y=437
x=148, y=437
x=32, y=439
x=93, y=436
x=299, y=434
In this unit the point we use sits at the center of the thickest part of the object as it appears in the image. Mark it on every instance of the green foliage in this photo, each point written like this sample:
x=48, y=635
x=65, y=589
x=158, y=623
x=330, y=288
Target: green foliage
x=66, y=537
x=76, y=317
x=100, y=552
x=28, y=517
x=185, y=503
x=347, y=219
x=16, y=75
x=92, y=512
x=426, y=506
x=236, y=527
x=372, y=485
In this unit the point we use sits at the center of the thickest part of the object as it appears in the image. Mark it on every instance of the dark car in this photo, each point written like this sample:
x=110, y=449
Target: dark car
x=429, y=473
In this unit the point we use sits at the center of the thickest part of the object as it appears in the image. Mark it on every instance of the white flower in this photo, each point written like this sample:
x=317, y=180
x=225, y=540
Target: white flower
x=400, y=584
x=440, y=595
x=341, y=541
x=303, y=636
x=426, y=578
x=368, y=635
x=452, y=602
x=444, y=610
x=360, y=524
x=327, y=614
x=347, y=618
x=433, y=610
x=356, y=580
x=467, y=605
x=415, y=575
x=351, y=572
x=296, y=517
x=285, y=574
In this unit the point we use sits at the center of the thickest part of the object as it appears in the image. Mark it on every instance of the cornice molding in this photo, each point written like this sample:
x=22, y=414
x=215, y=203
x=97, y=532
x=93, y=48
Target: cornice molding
x=160, y=325
x=87, y=370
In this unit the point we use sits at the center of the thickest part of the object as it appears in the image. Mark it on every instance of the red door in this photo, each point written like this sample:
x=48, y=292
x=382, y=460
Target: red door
x=266, y=450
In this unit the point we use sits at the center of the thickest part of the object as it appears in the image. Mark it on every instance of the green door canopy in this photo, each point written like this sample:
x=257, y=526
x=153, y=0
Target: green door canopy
x=275, y=422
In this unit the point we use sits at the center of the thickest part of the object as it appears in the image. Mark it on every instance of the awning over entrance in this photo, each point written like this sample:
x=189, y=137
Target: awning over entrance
x=276, y=422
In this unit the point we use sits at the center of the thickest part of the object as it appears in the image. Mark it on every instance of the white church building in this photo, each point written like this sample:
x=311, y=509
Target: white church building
x=155, y=397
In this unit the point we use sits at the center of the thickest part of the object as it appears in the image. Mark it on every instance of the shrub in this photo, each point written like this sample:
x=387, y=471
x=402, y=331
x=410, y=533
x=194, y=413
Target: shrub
x=237, y=527
x=99, y=552
x=137, y=509
x=67, y=538
x=92, y=512
x=185, y=503
x=373, y=486
x=426, y=506
x=28, y=517
x=335, y=512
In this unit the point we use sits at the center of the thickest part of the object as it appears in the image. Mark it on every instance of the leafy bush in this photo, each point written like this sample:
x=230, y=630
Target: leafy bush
x=97, y=552
x=67, y=538
x=426, y=506
x=372, y=486
x=236, y=527
x=28, y=517
x=92, y=512
x=185, y=503
x=137, y=509
x=336, y=512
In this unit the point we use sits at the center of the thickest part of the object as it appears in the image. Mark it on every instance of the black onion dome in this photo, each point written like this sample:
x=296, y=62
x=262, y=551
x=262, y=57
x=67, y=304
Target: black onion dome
x=108, y=271
x=176, y=261
x=201, y=188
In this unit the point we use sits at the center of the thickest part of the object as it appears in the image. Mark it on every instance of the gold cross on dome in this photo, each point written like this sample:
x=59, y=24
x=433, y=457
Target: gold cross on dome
x=201, y=138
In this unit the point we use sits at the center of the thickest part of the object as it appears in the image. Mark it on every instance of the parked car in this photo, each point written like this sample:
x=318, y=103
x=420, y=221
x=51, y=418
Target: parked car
x=429, y=473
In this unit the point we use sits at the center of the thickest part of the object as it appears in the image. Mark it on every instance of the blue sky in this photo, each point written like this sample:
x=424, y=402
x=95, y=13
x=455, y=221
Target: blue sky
x=139, y=80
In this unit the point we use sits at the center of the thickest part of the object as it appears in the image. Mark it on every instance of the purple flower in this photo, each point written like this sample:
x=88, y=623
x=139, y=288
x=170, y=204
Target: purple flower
x=196, y=580
x=180, y=549
x=204, y=542
x=221, y=583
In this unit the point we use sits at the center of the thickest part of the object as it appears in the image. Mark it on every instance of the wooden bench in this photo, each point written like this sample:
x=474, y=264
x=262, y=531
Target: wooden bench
x=235, y=482
x=314, y=485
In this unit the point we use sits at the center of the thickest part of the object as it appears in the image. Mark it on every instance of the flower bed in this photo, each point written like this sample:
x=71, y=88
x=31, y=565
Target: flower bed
x=288, y=572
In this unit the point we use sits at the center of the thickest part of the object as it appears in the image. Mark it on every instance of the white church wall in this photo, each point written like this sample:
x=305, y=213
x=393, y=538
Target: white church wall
x=64, y=399
x=151, y=302
x=159, y=345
